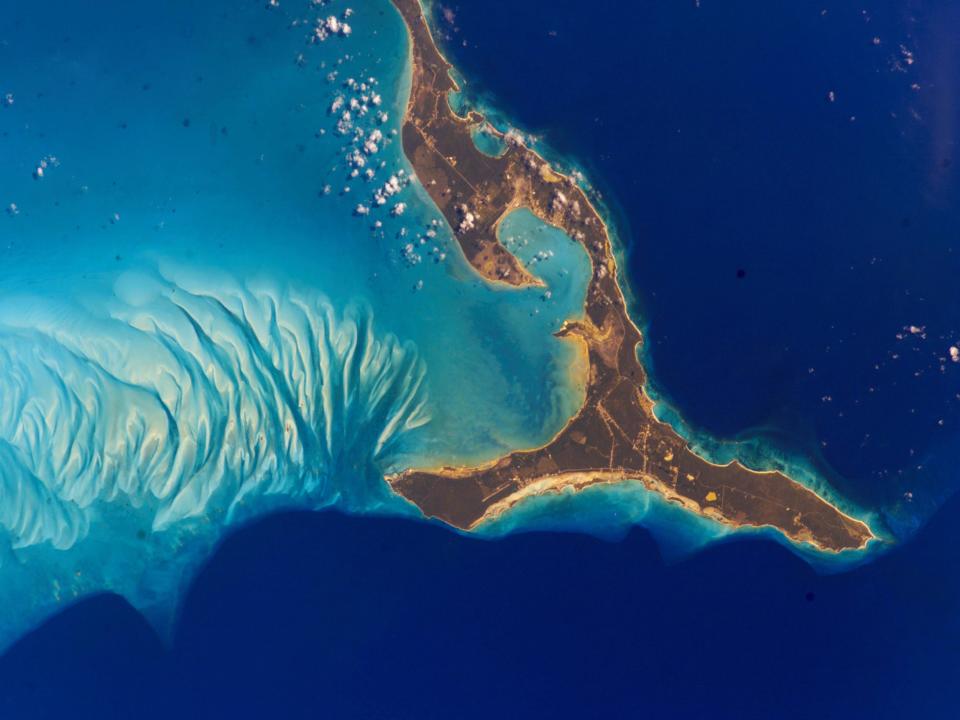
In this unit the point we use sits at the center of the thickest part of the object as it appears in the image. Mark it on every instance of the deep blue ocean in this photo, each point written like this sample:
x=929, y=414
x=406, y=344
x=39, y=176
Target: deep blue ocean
x=778, y=242
x=782, y=180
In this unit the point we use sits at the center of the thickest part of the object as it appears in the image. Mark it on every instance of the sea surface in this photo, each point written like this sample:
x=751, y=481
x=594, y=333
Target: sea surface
x=783, y=181
x=210, y=330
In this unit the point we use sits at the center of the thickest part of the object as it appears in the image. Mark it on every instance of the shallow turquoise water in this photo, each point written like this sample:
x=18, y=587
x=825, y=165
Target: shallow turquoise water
x=198, y=325
x=205, y=314
x=264, y=323
x=487, y=141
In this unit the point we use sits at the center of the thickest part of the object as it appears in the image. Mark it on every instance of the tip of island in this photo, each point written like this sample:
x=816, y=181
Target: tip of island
x=615, y=436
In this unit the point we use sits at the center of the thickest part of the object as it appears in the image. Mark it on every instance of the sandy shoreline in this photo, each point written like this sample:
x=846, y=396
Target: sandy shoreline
x=615, y=436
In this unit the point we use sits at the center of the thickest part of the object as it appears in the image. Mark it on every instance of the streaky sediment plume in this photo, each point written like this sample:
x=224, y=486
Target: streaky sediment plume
x=188, y=406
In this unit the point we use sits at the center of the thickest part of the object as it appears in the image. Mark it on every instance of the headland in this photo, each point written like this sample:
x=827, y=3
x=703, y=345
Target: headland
x=615, y=436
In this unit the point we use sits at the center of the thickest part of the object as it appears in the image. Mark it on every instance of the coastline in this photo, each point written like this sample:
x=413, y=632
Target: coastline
x=575, y=482
x=432, y=146
x=791, y=463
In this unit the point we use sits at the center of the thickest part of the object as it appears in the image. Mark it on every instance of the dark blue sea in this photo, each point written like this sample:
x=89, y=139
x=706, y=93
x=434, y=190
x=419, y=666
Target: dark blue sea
x=778, y=241
x=783, y=180
x=311, y=616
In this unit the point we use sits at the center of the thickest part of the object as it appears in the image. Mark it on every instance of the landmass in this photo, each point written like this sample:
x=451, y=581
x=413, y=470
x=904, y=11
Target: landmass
x=615, y=436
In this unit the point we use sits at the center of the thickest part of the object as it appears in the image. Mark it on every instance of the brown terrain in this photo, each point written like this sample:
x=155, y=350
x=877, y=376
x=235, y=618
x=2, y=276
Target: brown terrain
x=615, y=436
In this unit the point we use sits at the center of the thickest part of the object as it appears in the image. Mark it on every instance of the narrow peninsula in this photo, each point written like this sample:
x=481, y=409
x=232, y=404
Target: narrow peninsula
x=615, y=435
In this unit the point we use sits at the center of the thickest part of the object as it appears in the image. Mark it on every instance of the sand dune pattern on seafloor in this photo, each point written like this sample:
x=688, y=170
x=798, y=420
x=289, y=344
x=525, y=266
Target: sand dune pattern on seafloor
x=192, y=402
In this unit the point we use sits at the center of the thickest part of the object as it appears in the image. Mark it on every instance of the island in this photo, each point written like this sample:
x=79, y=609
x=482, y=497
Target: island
x=615, y=436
